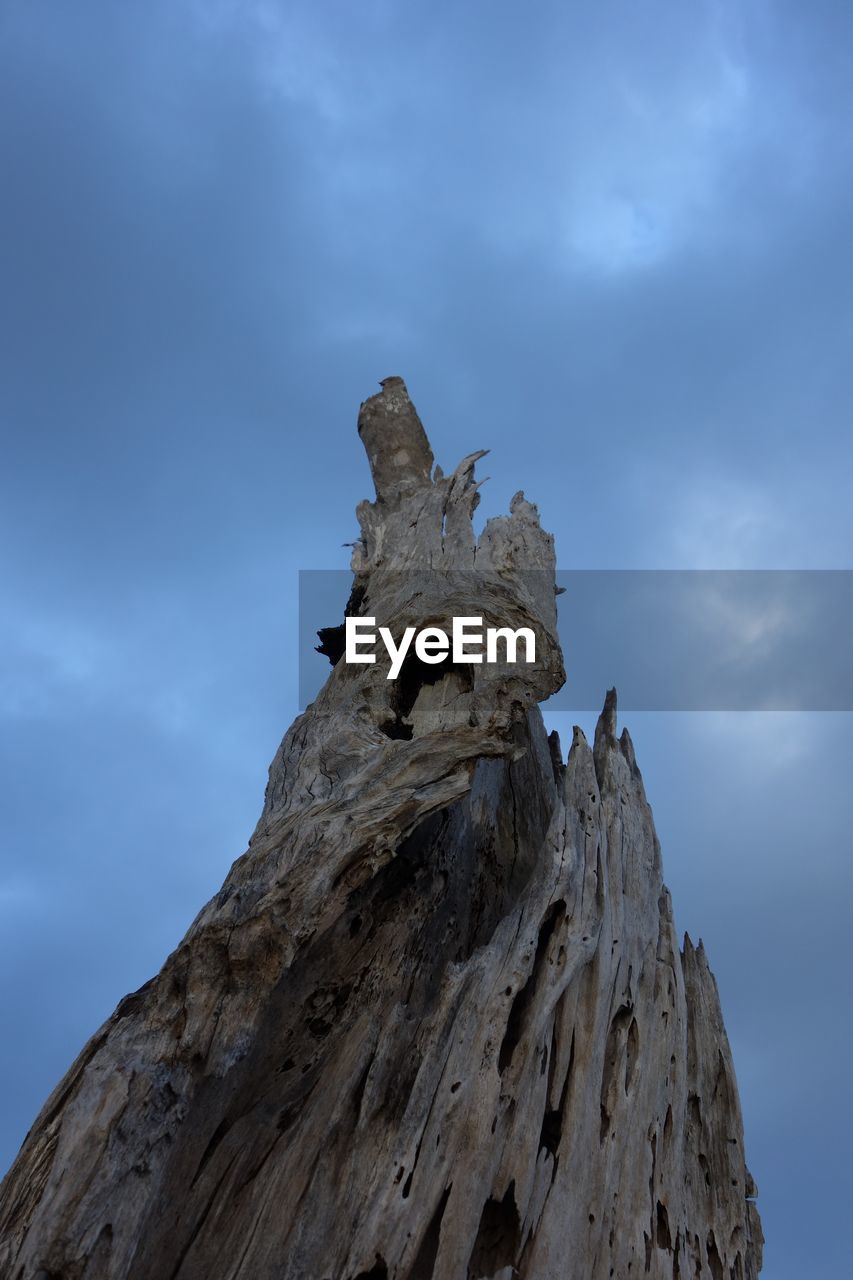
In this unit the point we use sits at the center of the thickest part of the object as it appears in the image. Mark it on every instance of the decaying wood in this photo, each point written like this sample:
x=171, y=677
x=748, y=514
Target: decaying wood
x=436, y=1023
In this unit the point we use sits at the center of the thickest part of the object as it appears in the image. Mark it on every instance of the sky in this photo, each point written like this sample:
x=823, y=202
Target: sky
x=610, y=242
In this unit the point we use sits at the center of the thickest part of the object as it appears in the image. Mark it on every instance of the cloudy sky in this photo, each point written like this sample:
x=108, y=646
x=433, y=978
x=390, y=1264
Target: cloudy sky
x=610, y=241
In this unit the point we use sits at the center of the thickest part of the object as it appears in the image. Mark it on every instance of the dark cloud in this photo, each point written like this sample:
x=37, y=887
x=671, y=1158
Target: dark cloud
x=610, y=242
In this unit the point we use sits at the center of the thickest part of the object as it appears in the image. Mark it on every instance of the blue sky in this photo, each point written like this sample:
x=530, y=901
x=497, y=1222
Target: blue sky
x=612, y=243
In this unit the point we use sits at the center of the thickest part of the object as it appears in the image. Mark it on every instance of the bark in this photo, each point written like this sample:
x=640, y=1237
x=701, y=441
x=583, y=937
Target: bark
x=436, y=1023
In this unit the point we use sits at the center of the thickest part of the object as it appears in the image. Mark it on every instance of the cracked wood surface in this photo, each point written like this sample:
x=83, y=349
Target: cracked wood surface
x=436, y=1023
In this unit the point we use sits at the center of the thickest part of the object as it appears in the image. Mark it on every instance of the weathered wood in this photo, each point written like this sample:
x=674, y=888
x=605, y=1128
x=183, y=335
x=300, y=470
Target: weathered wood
x=436, y=1023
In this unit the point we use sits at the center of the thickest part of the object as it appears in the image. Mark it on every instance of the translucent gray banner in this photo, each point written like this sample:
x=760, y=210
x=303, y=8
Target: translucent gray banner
x=669, y=640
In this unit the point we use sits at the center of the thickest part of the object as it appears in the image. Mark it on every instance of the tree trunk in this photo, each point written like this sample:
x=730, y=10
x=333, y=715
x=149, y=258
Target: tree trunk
x=436, y=1023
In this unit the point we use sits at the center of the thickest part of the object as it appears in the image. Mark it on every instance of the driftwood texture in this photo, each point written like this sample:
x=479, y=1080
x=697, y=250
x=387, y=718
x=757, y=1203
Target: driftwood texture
x=436, y=1023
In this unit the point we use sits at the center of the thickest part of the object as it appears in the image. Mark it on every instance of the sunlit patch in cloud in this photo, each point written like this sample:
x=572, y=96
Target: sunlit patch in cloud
x=651, y=180
x=617, y=232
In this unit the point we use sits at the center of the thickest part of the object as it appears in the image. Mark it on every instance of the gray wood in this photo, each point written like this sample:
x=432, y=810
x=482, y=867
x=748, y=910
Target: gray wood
x=436, y=1023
